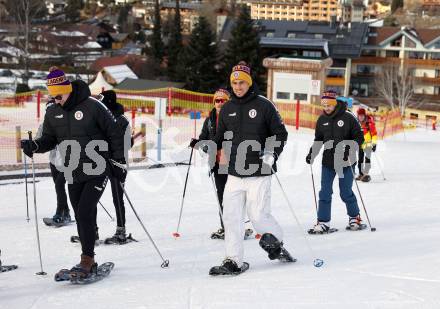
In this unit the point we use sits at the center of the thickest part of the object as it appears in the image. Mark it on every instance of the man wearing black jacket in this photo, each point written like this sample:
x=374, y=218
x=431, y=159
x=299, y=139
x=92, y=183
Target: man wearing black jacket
x=221, y=96
x=252, y=135
x=88, y=138
x=340, y=133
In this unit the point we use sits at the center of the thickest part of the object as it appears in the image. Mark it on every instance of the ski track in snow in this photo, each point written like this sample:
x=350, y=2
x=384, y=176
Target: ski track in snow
x=394, y=267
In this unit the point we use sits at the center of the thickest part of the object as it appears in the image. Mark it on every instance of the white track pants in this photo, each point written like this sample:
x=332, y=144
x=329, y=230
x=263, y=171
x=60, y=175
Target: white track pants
x=252, y=193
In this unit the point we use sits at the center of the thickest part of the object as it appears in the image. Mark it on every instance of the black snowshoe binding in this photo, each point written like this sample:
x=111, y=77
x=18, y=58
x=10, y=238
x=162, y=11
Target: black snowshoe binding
x=321, y=228
x=275, y=248
x=59, y=220
x=355, y=224
x=120, y=237
x=219, y=234
x=76, y=239
x=228, y=267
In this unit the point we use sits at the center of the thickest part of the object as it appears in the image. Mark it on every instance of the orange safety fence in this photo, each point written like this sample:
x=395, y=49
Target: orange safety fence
x=22, y=112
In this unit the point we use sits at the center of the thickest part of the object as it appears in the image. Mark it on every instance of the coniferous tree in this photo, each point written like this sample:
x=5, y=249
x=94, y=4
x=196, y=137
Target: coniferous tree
x=244, y=44
x=198, y=64
x=73, y=9
x=175, y=45
x=156, y=44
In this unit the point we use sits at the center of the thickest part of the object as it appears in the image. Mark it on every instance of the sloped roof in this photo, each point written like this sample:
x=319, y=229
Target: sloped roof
x=119, y=72
x=98, y=84
x=146, y=84
x=425, y=36
x=102, y=62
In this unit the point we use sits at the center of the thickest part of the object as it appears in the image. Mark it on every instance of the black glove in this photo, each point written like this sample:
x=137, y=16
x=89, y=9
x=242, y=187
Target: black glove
x=374, y=148
x=119, y=169
x=193, y=142
x=205, y=148
x=29, y=147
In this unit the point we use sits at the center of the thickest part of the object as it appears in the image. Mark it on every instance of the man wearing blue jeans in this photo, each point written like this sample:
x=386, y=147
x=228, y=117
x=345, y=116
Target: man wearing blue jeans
x=338, y=130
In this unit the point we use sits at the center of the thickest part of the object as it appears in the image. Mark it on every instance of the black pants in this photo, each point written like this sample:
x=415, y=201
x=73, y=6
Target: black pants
x=60, y=189
x=84, y=197
x=118, y=200
x=364, y=153
x=220, y=183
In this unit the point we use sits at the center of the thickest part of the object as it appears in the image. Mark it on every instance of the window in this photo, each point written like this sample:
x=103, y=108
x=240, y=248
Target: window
x=437, y=45
x=392, y=54
x=365, y=69
x=300, y=96
x=318, y=36
x=270, y=34
x=416, y=55
x=397, y=42
x=435, y=56
x=283, y=96
x=312, y=54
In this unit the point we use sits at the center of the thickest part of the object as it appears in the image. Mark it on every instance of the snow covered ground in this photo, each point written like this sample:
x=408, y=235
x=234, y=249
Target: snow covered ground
x=395, y=267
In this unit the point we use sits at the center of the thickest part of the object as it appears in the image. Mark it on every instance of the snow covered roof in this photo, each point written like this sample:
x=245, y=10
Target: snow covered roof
x=119, y=72
x=68, y=33
x=91, y=44
x=10, y=50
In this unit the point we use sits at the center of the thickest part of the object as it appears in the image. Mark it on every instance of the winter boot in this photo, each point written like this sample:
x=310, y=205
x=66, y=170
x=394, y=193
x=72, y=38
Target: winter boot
x=366, y=178
x=66, y=217
x=355, y=223
x=359, y=177
x=220, y=234
x=275, y=248
x=120, y=236
x=85, y=268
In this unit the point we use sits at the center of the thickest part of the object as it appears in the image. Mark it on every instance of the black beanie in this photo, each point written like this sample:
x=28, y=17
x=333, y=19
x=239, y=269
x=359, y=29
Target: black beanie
x=109, y=99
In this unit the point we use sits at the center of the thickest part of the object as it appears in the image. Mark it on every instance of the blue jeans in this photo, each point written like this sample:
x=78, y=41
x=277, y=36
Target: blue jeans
x=346, y=192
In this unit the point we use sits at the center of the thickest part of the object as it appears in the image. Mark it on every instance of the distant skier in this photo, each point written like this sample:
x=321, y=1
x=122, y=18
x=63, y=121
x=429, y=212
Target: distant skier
x=251, y=119
x=85, y=123
x=336, y=125
x=62, y=213
x=368, y=146
x=221, y=96
x=120, y=236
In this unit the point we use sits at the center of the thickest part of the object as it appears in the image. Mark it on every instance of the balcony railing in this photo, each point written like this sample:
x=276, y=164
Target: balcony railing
x=428, y=80
x=376, y=60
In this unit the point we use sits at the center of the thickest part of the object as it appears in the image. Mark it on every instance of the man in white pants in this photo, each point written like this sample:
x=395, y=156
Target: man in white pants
x=252, y=136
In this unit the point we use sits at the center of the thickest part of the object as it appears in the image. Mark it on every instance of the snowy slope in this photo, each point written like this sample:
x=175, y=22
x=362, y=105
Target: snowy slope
x=395, y=267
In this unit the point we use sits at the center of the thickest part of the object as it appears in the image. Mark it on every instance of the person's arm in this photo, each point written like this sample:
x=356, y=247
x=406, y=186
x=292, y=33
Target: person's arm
x=357, y=133
x=276, y=128
x=47, y=140
x=221, y=129
x=373, y=131
x=204, y=134
x=317, y=143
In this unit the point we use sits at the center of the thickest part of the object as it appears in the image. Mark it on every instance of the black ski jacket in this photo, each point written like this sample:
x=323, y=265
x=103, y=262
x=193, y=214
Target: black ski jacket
x=338, y=126
x=250, y=118
x=82, y=119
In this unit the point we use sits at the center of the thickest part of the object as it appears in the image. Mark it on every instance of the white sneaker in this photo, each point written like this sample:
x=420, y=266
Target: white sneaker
x=321, y=227
x=355, y=223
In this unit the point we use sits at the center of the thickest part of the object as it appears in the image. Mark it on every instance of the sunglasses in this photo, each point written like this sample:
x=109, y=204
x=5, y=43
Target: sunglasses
x=219, y=101
x=58, y=97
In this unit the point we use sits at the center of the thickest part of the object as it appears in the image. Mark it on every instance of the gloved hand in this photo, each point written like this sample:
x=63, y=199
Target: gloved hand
x=309, y=158
x=119, y=169
x=193, y=142
x=374, y=147
x=29, y=147
x=268, y=157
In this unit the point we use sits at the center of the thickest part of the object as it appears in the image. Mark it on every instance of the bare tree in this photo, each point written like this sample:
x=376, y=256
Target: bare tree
x=395, y=84
x=384, y=82
x=22, y=13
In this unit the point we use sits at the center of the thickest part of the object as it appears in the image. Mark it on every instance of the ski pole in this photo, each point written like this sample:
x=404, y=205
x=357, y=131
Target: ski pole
x=176, y=234
x=215, y=192
x=314, y=190
x=35, y=210
x=372, y=229
x=106, y=211
x=165, y=263
x=378, y=163
x=316, y=262
x=26, y=186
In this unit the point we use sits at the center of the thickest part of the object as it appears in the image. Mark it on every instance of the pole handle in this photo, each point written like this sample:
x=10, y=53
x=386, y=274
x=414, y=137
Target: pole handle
x=30, y=135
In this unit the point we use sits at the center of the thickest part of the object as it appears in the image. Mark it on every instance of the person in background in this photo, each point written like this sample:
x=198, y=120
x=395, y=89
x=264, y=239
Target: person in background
x=369, y=145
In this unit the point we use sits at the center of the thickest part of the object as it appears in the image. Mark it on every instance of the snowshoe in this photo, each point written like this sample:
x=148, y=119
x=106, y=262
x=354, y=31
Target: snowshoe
x=119, y=239
x=62, y=275
x=366, y=178
x=101, y=272
x=275, y=248
x=5, y=268
x=58, y=220
x=355, y=224
x=228, y=267
x=321, y=228
x=359, y=177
